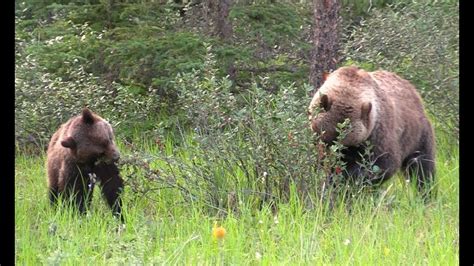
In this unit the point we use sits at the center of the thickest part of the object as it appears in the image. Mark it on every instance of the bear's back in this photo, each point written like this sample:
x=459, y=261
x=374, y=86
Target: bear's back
x=401, y=93
x=404, y=105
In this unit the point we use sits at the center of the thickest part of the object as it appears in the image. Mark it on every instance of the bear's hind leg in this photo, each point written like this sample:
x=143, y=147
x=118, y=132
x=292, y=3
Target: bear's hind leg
x=421, y=165
x=53, y=196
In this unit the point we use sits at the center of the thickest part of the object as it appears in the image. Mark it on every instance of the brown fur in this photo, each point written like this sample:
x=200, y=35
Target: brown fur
x=81, y=147
x=384, y=109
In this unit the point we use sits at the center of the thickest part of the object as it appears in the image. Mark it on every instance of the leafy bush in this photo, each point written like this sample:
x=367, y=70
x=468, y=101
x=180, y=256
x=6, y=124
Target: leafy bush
x=251, y=154
x=419, y=41
x=249, y=147
x=43, y=101
x=62, y=66
x=267, y=153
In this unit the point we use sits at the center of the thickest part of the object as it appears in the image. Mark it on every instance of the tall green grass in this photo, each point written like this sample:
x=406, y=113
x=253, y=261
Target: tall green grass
x=162, y=226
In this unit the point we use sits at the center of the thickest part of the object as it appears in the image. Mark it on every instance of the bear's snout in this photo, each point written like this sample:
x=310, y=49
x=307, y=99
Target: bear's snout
x=115, y=155
x=314, y=126
x=326, y=134
x=111, y=155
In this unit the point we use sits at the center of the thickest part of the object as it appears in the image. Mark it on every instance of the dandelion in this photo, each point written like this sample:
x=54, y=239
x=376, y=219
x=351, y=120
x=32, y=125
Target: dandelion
x=386, y=251
x=218, y=232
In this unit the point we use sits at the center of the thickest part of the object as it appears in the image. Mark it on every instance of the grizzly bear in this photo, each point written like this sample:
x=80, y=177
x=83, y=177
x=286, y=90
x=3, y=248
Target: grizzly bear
x=384, y=109
x=81, y=152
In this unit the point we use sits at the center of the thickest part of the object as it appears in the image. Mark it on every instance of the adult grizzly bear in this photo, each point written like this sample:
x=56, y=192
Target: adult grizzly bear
x=384, y=109
x=80, y=152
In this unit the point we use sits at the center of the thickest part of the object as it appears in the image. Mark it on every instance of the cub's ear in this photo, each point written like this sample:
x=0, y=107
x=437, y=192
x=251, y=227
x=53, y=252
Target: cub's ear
x=87, y=116
x=365, y=111
x=325, y=102
x=69, y=142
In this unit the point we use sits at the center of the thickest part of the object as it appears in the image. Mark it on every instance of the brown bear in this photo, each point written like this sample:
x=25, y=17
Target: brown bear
x=81, y=152
x=384, y=109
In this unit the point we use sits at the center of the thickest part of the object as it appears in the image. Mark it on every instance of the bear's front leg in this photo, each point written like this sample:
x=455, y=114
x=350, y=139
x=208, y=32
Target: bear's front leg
x=112, y=186
x=375, y=173
x=354, y=171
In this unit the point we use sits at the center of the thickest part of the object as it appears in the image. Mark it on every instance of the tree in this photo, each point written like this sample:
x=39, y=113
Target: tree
x=217, y=16
x=325, y=37
x=223, y=25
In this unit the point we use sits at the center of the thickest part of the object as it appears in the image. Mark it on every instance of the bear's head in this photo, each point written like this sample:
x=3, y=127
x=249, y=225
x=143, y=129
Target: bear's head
x=348, y=93
x=90, y=139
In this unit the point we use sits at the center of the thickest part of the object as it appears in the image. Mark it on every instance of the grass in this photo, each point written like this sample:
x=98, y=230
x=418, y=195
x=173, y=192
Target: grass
x=395, y=228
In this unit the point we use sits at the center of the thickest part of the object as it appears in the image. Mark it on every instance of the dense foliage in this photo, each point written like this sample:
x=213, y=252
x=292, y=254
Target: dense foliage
x=253, y=154
x=126, y=60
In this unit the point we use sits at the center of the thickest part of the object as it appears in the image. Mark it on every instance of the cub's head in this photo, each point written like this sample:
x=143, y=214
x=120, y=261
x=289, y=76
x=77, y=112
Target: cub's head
x=91, y=139
x=346, y=94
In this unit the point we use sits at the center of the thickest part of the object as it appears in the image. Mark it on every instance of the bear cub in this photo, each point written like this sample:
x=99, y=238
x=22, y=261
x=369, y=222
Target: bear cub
x=387, y=111
x=81, y=152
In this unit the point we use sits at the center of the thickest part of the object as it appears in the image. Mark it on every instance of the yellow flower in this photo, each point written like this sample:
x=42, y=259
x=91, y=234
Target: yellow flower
x=386, y=251
x=218, y=231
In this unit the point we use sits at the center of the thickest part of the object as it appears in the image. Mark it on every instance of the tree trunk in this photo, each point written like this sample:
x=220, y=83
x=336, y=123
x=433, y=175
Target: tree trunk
x=223, y=29
x=326, y=31
x=223, y=25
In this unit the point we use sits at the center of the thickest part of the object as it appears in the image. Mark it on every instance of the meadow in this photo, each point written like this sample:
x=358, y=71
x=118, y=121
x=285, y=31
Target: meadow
x=393, y=227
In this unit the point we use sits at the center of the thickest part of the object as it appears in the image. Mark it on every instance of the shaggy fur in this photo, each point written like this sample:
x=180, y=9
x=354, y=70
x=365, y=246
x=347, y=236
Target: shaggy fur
x=384, y=109
x=81, y=151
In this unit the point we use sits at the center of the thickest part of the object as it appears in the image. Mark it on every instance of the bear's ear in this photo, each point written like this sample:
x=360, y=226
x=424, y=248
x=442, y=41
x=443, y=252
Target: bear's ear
x=325, y=102
x=325, y=75
x=87, y=116
x=69, y=142
x=365, y=111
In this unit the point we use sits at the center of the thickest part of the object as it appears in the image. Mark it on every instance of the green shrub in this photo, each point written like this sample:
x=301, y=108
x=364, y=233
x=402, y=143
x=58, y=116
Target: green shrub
x=43, y=101
x=257, y=140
